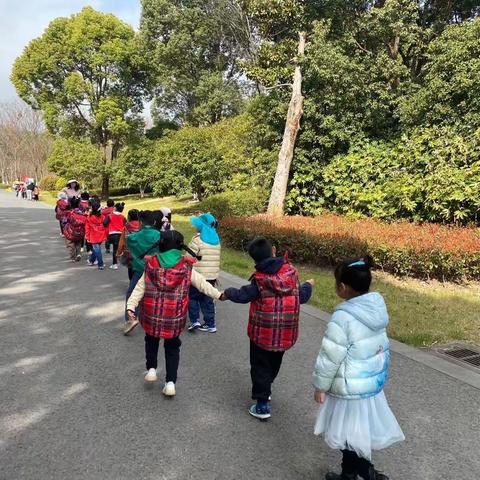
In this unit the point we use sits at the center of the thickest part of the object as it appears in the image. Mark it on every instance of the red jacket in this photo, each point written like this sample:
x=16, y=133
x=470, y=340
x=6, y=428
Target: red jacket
x=163, y=309
x=61, y=208
x=95, y=232
x=84, y=204
x=106, y=211
x=274, y=315
x=116, y=223
x=74, y=229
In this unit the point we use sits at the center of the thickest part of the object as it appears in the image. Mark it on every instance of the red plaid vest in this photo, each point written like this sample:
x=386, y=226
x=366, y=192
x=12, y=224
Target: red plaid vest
x=273, y=322
x=163, y=310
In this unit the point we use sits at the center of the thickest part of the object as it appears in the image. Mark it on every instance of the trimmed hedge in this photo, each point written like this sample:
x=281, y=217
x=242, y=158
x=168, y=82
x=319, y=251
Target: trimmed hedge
x=237, y=203
x=405, y=249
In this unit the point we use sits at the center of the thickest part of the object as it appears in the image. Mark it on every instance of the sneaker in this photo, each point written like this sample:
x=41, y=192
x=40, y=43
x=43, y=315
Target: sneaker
x=169, y=389
x=108, y=252
x=343, y=476
x=151, y=375
x=82, y=250
x=102, y=267
x=194, y=326
x=78, y=258
x=129, y=326
x=262, y=413
x=206, y=328
x=113, y=267
x=90, y=264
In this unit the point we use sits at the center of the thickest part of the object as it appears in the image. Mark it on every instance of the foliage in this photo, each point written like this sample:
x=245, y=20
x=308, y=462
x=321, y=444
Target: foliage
x=48, y=183
x=432, y=175
x=76, y=159
x=132, y=165
x=209, y=160
x=237, y=203
x=195, y=46
x=61, y=183
x=405, y=249
x=451, y=89
x=87, y=75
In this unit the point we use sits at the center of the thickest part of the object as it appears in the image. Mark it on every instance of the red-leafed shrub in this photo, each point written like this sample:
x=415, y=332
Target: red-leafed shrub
x=419, y=250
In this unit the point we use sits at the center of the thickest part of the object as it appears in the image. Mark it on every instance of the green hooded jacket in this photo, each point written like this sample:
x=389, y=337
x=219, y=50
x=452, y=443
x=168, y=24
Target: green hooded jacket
x=140, y=242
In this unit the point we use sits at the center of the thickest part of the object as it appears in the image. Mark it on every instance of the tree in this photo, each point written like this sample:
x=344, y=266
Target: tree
x=133, y=165
x=77, y=159
x=24, y=143
x=196, y=46
x=87, y=75
x=282, y=24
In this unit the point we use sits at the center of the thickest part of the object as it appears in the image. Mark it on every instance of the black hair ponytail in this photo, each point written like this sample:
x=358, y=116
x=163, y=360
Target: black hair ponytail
x=356, y=274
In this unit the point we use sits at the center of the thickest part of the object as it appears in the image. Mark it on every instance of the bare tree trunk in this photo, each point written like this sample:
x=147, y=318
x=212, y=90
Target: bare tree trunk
x=106, y=155
x=295, y=111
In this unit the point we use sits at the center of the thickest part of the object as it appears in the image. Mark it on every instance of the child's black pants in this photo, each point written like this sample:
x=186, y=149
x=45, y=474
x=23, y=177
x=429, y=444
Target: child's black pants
x=172, y=355
x=353, y=464
x=264, y=368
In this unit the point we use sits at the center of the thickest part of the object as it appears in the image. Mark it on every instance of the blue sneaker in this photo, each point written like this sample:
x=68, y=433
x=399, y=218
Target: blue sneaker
x=260, y=412
x=194, y=326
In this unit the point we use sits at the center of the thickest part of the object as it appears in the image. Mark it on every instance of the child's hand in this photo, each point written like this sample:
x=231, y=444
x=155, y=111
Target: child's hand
x=311, y=282
x=131, y=315
x=320, y=396
x=223, y=297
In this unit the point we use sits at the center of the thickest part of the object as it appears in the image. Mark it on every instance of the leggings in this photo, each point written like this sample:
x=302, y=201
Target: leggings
x=172, y=355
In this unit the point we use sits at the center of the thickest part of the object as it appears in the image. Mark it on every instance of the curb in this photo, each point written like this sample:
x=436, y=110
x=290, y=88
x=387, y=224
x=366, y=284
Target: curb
x=423, y=357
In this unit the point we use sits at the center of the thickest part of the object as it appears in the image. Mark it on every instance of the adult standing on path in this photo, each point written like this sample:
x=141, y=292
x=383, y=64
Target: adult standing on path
x=72, y=189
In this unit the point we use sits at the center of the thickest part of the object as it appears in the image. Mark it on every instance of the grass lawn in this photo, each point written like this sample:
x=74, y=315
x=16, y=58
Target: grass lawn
x=422, y=314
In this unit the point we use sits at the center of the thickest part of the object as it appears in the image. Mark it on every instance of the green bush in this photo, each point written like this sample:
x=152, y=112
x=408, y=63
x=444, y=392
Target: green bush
x=431, y=175
x=237, y=203
x=48, y=183
x=4, y=186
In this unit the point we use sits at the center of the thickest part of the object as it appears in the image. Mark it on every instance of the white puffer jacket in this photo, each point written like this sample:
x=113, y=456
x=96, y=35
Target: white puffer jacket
x=355, y=355
x=209, y=265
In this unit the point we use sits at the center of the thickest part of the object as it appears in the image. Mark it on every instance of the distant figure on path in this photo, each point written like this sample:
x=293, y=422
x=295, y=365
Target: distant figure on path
x=350, y=373
x=36, y=193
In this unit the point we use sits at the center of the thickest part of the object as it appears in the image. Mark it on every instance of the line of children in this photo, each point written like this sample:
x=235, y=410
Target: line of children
x=132, y=226
x=352, y=366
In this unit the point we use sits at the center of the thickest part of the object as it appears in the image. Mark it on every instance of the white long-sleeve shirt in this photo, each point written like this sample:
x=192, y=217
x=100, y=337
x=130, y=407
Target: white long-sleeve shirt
x=198, y=281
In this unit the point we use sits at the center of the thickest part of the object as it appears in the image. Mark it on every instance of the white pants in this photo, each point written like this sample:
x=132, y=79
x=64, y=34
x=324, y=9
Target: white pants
x=29, y=194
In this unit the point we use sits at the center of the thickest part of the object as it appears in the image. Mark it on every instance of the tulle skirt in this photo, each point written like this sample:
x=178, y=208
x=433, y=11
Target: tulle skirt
x=359, y=425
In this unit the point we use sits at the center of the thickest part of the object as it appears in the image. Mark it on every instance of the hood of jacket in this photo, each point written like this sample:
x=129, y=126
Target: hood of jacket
x=369, y=309
x=270, y=265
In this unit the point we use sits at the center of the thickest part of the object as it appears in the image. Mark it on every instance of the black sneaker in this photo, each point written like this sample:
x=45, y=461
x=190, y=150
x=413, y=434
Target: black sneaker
x=262, y=413
x=343, y=476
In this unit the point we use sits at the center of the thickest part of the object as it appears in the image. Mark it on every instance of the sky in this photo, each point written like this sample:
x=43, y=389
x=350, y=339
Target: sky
x=23, y=20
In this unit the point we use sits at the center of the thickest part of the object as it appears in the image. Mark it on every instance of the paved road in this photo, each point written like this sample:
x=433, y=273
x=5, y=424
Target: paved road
x=74, y=404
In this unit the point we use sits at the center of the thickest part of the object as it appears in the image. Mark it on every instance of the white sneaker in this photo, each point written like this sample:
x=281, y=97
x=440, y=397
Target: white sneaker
x=114, y=267
x=169, y=389
x=151, y=375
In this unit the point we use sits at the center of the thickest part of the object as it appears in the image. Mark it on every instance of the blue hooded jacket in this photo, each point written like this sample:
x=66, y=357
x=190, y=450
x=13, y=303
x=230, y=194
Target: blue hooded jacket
x=355, y=354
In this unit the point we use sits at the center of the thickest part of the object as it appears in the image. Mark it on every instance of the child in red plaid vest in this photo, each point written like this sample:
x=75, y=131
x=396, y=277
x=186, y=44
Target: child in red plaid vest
x=162, y=295
x=275, y=295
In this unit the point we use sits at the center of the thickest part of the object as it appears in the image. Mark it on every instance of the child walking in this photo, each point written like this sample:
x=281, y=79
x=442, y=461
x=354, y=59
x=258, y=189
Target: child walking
x=162, y=294
x=61, y=208
x=275, y=294
x=95, y=234
x=350, y=374
x=115, y=224
x=106, y=211
x=74, y=229
x=132, y=226
x=206, y=246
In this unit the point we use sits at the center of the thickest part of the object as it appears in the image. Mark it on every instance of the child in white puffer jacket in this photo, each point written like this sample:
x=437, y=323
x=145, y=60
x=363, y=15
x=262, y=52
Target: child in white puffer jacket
x=350, y=374
x=206, y=245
